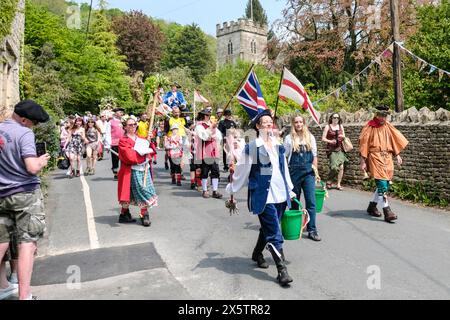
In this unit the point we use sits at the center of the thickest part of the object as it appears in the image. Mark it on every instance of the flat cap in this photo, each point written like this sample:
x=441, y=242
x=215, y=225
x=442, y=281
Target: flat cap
x=32, y=111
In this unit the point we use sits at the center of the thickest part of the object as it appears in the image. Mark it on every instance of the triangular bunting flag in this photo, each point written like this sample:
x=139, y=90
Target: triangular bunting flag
x=424, y=64
x=344, y=88
x=336, y=94
x=432, y=69
x=378, y=61
x=441, y=73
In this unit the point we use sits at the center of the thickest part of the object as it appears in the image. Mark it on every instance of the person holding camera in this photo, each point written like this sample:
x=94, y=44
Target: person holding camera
x=21, y=200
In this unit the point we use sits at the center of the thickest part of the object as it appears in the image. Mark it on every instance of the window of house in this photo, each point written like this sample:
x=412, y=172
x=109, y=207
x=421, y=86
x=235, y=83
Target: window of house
x=230, y=47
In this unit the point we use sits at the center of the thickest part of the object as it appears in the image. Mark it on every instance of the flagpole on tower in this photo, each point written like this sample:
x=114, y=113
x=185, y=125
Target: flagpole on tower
x=278, y=96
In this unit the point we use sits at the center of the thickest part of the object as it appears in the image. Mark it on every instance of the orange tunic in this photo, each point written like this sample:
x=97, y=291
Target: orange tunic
x=378, y=146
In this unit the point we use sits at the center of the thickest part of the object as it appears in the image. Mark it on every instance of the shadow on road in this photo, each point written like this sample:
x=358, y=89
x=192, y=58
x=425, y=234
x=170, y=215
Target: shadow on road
x=235, y=265
x=355, y=214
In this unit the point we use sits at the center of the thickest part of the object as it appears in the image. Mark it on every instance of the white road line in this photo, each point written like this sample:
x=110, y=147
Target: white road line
x=93, y=237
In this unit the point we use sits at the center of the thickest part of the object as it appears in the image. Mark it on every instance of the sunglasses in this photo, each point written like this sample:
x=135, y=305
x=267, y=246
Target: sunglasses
x=132, y=125
x=335, y=118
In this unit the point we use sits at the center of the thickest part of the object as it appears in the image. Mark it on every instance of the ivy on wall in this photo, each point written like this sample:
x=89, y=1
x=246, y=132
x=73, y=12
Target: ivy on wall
x=8, y=9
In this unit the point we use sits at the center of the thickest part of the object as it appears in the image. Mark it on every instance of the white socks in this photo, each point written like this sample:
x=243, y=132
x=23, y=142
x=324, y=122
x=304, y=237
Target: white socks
x=215, y=184
x=205, y=185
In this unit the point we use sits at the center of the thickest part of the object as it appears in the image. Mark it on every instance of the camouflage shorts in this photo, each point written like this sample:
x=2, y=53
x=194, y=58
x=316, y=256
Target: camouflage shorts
x=22, y=214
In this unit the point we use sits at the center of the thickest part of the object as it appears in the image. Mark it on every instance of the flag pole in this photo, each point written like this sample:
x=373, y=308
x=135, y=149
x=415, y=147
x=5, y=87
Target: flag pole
x=239, y=87
x=278, y=95
x=195, y=120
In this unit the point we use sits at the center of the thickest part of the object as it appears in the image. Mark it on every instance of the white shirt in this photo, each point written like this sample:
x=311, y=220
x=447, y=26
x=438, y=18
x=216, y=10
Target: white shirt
x=277, y=192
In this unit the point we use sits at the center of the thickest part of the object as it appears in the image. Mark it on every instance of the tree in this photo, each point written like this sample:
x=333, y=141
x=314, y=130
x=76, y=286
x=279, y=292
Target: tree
x=431, y=43
x=190, y=49
x=139, y=40
x=259, y=14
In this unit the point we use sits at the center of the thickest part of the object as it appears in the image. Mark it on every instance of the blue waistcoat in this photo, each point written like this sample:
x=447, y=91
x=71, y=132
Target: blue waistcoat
x=261, y=175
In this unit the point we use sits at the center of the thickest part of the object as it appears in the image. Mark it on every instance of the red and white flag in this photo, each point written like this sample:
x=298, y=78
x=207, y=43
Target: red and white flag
x=292, y=88
x=199, y=98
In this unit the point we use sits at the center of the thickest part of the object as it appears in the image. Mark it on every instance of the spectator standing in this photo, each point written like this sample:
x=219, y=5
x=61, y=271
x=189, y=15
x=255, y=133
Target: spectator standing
x=224, y=125
x=21, y=200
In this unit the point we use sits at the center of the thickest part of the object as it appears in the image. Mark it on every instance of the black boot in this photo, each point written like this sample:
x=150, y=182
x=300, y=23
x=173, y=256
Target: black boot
x=372, y=210
x=257, y=255
x=283, y=276
x=126, y=217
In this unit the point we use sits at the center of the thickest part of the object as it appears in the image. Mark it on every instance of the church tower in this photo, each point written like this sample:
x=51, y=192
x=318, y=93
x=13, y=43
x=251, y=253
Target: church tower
x=244, y=39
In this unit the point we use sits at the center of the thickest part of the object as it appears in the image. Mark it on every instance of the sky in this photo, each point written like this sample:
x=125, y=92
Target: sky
x=205, y=13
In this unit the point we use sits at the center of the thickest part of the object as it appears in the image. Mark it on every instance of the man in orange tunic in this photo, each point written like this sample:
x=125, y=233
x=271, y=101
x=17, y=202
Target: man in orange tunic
x=379, y=142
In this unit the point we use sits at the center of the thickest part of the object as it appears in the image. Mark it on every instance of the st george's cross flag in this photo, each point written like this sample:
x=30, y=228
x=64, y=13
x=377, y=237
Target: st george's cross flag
x=292, y=88
x=250, y=96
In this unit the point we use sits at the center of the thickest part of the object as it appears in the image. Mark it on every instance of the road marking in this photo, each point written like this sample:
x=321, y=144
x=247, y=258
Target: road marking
x=93, y=237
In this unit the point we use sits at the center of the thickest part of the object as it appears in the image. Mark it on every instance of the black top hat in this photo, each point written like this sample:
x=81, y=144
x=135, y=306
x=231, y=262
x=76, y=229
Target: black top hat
x=206, y=112
x=31, y=110
x=118, y=109
x=382, y=109
x=255, y=120
x=227, y=112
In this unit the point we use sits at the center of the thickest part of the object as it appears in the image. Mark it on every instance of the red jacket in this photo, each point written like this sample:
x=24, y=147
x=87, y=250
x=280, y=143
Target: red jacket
x=128, y=157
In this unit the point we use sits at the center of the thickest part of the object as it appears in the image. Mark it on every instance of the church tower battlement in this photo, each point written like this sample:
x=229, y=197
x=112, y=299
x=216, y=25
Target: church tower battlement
x=243, y=39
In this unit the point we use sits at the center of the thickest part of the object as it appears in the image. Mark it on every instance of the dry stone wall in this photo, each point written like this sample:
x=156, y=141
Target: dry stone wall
x=426, y=158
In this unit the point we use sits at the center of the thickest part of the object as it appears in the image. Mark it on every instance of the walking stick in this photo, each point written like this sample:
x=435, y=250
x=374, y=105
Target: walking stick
x=152, y=118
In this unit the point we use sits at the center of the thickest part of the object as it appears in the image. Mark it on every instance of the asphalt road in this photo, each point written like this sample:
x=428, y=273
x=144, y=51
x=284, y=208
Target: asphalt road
x=195, y=250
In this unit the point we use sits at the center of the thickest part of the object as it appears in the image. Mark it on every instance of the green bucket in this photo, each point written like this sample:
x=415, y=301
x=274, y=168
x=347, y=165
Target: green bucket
x=291, y=223
x=320, y=197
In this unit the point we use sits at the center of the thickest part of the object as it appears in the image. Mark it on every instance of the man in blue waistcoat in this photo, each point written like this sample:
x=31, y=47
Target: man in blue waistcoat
x=175, y=98
x=263, y=166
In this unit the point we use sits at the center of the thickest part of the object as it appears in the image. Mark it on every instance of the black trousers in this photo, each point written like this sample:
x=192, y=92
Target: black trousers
x=115, y=159
x=208, y=167
x=175, y=166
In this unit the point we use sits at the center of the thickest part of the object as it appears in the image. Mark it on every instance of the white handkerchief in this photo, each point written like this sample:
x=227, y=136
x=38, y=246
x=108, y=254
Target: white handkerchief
x=142, y=146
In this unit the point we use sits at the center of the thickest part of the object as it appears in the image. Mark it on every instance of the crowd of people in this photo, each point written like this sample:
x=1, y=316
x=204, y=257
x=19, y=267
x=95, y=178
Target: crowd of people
x=276, y=168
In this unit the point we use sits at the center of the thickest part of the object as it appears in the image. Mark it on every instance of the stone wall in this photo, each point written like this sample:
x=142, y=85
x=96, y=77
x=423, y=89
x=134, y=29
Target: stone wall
x=426, y=159
x=241, y=34
x=10, y=56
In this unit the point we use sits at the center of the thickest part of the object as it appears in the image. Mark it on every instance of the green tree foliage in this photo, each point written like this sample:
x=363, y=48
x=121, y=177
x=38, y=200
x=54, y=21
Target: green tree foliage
x=259, y=14
x=140, y=40
x=431, y=43
x=189, y=48
x=8, y=9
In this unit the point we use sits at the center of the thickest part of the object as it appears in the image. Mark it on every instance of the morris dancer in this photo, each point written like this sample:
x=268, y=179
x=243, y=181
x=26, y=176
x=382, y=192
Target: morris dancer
x=208, y=152
x=131, y=186
x=263, y=167
x=175, y=98
x=378, y=143
x=175, y=147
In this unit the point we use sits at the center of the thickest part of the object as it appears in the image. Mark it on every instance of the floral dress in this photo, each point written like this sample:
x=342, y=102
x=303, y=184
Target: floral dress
x=75, y=145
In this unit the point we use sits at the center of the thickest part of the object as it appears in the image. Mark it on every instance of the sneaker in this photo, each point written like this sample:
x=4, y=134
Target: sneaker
x=314, y=236
x=86, y=173
x=7, y=292
x=205, y=194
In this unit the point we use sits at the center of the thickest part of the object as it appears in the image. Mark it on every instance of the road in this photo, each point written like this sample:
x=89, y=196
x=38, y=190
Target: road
x=195, y=250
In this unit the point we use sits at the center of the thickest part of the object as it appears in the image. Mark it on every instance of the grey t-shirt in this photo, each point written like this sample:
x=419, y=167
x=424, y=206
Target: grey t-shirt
x=16, y=143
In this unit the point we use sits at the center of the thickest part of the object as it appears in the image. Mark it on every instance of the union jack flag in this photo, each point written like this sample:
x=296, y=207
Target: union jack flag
x=250, y=96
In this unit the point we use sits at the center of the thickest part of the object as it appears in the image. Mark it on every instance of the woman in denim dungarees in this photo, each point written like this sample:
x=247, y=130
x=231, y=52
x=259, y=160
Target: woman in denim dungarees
x=301, y=152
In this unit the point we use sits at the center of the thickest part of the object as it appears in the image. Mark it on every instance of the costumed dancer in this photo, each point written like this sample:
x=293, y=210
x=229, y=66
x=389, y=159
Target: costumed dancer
x=379, y=142
x=263, y=167
x=135, y=185
x=208, y=152
x=115, y=132
x=194, y=167
x=174, y=145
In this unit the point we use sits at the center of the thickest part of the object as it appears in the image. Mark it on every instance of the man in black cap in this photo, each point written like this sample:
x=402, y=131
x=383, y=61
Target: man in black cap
x=224, y=125
x=207, y=152
x=21, y=201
